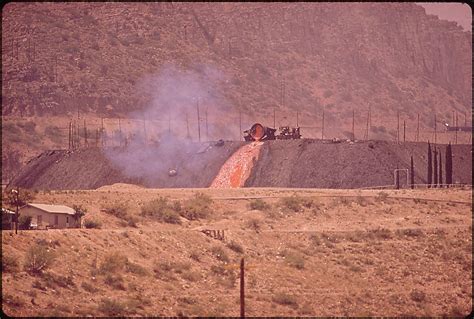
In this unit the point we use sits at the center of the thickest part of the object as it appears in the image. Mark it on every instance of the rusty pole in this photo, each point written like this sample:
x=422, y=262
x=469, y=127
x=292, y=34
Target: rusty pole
x=404, y=128
x=274, y=118
x=198, y=120
x=398, y=126
x=456, y=133
x=297, y=114
x=418, y=128
x=240, y=125
x=353, y=131
x=435, y=128
x=322, y=126
x=242, y=289
x=207, y=127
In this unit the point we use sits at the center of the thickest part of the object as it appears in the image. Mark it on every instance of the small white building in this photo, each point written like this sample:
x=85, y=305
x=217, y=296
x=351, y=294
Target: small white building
x=50, y=216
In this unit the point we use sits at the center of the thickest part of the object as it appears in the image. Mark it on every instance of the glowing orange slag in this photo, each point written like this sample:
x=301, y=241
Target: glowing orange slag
x=237, y=168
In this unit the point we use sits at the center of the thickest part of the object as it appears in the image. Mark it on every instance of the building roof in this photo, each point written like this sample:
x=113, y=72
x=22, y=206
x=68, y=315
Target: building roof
x=53, y=209
x=7, y=211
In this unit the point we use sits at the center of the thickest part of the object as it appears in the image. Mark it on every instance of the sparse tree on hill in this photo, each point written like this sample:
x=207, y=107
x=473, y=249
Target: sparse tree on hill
x=412, y=173
x=449, y=165
x=430, y=166
x=79, y=212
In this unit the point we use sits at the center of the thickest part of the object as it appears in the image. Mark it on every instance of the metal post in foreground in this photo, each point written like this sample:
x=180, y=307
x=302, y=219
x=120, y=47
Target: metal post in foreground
x=242, y=286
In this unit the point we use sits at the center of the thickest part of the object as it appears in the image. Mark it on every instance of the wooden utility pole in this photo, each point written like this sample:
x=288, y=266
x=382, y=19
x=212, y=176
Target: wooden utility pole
x=207, y=127
x=120, y=132
x=366, y=135
x=69, y=136
x=322, y=126
x=198, y=120
x=55, y=68
x=353, y=122
x=398, y=126
x=102, y=131
x=86, y=143
x=187, y=126
x=240, y=125
x=242, y=289
x=418, y=128
x=435, y=128
x=404, y=127
x=297, y=114
x=456, y=131
x=144, y=129
x=274, y=118
x=169, y=122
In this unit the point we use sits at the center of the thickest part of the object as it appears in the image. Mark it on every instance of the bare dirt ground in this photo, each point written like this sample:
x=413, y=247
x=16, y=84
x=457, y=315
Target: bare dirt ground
x=345, y=253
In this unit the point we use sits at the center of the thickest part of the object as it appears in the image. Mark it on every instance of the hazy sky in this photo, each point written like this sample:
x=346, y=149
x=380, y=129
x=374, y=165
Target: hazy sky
x=455, y=11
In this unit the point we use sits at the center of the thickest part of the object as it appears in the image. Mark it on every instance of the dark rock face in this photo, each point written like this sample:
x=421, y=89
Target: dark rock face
x=391, y=55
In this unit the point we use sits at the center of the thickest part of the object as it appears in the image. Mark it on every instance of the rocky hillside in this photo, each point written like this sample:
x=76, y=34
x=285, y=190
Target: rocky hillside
x=341, y=56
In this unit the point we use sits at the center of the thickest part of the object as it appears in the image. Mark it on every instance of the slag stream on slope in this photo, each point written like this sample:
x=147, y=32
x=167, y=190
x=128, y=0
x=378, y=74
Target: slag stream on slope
x=237, y=168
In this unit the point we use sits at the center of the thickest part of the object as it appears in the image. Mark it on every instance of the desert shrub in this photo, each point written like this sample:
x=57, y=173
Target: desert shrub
x=197, y=207
x=235, y=247
x=91, y=223
x=285, y=299
x=254, y=224
x=24, y=221
x=38, y=258
x=28, y=127
x=115, y=281
x=187, y=300
x=291, y=203
x=417, y=296
x=118, y=210
x=53, y=280
x=136, y=269
x=382, y=233
x=327, y=93
x=259, y=204
x=13, y=301
x=113, y=262
x=10, y=263
x=89, y=287
x=180, y=267
x=381, y=196
x=39, y=285
x=219, y=253
x=162, y=210
x=410, y=232
x=195, y=255
x=315, y=240
x=164, y=270
x=361, y=201
x=111, y=307
x=54, y=133
x=294, y=259
x=191, y=276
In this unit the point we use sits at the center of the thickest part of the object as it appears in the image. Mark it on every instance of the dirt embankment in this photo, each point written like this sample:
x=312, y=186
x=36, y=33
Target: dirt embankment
x=291, y=163
x=314, y=163
x=92, y=168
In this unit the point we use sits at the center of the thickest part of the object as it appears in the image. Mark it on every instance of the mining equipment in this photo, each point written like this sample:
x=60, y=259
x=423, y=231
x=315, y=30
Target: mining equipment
x=258, y=132
x=287, y=133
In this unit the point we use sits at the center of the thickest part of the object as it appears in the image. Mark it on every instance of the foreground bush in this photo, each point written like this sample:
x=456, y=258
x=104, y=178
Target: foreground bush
x=9, y=263
x=292, y=203
x=38, y=259
x=197, y=207
x=89, y=223
x=162, y=210
x=259, y=204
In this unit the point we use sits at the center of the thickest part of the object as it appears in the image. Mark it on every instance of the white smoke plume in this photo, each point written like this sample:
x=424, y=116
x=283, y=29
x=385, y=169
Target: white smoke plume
x=172, y=93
